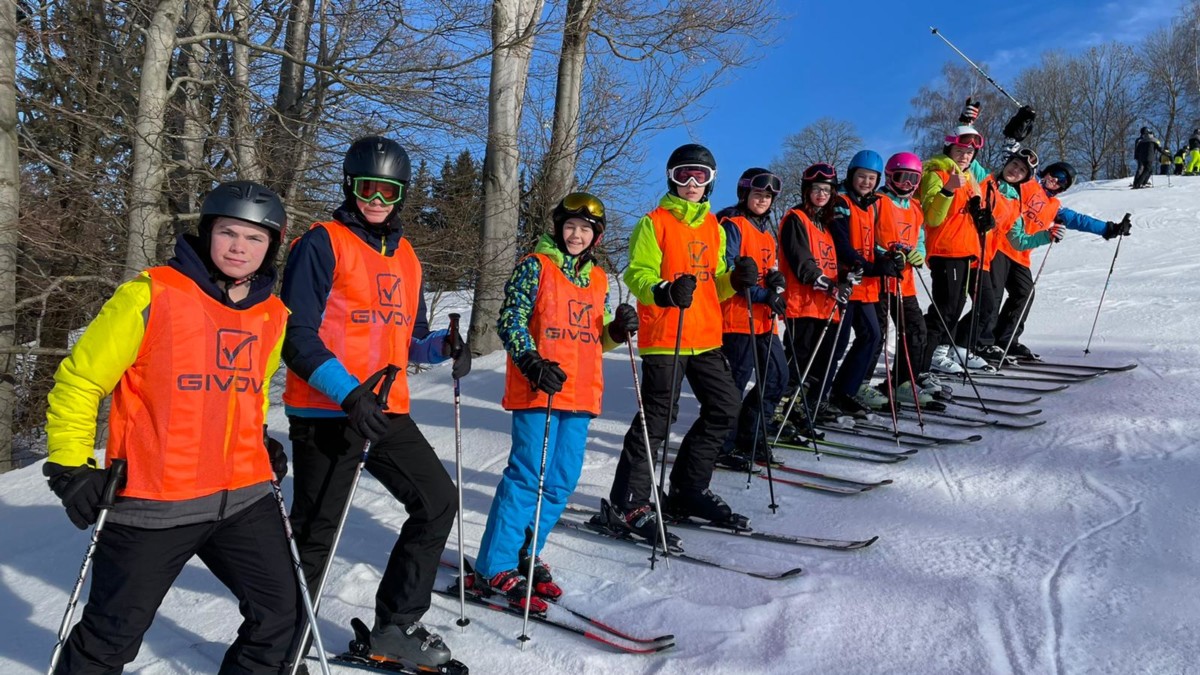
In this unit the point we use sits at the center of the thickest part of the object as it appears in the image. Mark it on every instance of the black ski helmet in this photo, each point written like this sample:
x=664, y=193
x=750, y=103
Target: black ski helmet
x=743, y=185
x=248, y=201
x=377, y=157
x=692, y=153
x=1064, y=169
x=820, y=172
x=578, y=205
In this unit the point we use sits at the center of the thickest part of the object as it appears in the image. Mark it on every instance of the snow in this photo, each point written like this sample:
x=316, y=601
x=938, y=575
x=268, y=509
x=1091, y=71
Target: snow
x=1065, y=549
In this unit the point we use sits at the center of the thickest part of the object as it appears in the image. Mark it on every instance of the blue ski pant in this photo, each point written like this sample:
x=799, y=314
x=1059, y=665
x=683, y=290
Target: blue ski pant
x=864, y=352
x=740, y=350
x=510, y=520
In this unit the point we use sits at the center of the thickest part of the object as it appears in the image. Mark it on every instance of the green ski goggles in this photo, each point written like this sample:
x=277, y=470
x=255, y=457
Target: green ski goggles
x=368, y=189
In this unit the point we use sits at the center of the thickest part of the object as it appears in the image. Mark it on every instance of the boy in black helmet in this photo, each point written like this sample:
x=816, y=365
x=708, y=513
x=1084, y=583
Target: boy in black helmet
x=356, y=295
x=199, y=463
x=678, y=273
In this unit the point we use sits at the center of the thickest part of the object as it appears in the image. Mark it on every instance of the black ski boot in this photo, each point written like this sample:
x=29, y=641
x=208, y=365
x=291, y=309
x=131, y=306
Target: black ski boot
x=640, y=522
x=841, y=405
x=1022, y=353
x=704, y=505
x=411, y=644
x=736, y=461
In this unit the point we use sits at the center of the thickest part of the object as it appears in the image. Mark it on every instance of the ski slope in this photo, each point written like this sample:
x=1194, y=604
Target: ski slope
x=1070, y=548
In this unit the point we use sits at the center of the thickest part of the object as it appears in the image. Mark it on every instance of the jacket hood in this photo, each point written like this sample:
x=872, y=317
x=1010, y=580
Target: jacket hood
x=583, y=262
x=691, y=213
x=763, y=222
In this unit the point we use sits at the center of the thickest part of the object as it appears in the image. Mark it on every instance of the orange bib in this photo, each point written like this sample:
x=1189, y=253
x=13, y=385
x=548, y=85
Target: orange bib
x=804, y=301
x=760, y=246
x=685, y=250
x=188, y=414
x=568, y=327
x=369, y=315
x=1038, y=210
x=862, y=238
x=900, y=226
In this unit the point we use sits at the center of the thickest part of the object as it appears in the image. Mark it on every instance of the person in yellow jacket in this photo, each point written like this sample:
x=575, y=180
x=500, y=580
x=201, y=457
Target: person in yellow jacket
x=677, y=272
x=187, y=351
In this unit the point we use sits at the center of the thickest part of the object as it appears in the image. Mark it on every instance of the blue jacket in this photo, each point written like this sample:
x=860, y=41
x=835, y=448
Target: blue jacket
x=733, y=241
x=1072, y=220
x=307, y=281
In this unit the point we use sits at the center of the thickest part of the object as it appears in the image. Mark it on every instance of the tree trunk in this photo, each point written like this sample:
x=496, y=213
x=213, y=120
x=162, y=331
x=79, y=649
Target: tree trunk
x=149, y=172
x=244, y=136
x=9, y=239
x=288, y=118
x=564, y=137
x=197, y=117
x=513, y=25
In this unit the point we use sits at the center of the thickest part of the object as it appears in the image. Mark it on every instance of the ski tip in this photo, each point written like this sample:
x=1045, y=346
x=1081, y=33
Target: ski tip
x=870, y=541
x=885, y=481
x=794, y=572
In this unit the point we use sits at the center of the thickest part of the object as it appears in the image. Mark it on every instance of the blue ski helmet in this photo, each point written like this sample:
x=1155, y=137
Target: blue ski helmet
x=865, y=159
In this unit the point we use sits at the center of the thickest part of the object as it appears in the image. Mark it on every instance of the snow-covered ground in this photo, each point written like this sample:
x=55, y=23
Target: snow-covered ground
x=1066, y=549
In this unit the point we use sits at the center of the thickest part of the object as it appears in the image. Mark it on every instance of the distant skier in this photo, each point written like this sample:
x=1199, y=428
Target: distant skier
x=555, y=325
x=187, y=350
x=1146, y=152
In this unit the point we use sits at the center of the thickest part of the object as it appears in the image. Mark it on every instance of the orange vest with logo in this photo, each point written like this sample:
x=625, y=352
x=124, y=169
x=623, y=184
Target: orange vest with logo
x=956, y=237
x=861, y=224
x=369, y=315
x=685, y=250
x=567, y=326
x=804, y=301
x=187, y=416
x=1005, y=212
x=900, y=226
x=1038, y=209
x=760, y=246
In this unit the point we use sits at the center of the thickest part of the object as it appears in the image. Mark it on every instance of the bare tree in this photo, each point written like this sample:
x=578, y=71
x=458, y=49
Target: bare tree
x=9, y=232
x=1048, y=87
x=828, y=140
x=1106, y=109
x=561, y=159
x=936, y=109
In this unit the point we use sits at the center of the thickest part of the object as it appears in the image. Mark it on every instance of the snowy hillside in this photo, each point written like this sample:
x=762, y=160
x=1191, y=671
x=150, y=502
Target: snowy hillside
x=1070, y=548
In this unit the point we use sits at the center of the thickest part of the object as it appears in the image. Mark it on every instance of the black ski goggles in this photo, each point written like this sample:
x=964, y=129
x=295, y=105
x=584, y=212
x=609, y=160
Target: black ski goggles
x=767, y=182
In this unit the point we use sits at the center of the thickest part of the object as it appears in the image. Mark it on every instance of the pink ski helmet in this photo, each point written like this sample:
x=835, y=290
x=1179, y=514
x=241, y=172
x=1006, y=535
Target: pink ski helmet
x=903, y=172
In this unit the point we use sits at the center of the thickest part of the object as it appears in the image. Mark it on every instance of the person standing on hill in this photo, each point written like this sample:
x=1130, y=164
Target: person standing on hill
x=1145, y=152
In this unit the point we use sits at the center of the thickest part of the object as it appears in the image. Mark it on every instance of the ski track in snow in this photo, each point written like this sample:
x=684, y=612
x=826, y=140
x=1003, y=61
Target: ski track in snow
x=1066, y=549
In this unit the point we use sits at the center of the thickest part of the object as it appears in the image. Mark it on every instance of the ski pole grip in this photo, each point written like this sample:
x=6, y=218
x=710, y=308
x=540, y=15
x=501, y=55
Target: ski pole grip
x=116, y=479
x=455, y=337
x=386, y=388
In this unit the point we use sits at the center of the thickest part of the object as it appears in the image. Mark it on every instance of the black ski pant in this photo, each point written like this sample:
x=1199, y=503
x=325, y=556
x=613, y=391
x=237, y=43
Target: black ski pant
x=985, y=307
x=1144, y=171
x=857, y=366
x=1015, y=278
x=325, y=452
x=905, y=315
x=803, y=335
x=741, y=349
x=711, y=380
x=134, y=567
x=948, y=288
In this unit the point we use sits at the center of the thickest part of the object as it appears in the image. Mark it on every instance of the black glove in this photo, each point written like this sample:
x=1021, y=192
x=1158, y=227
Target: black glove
x=777, y=303
x=824, y=284
x=855, y=276
x=889, y=265
x=80, y=488
x=676, y=293
x=969, y=113
x=279, y=460
x=842, y=292
x=984, y=220
x=624, y=323
x=1121, y=229
x=774, y=280
x=1020, y=124
x=454, y=347
x=363, y=410
x=542, y=374
x=745, y=274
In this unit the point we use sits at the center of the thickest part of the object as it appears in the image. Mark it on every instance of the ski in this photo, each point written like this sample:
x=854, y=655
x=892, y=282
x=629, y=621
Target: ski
x=1013, y=385
x=997, y=410
x=607, y=628
x=796, y=540
x=648, y=647
x=831, y=489
x=1029, y=400
x=833, y=479
x=859, y=455
x=679, y=555
x=1090, y=367
x=911, y=414
x=867, y=429
x=802, y=440
x=1030, y=376
x=885, y=432
x=359, y=656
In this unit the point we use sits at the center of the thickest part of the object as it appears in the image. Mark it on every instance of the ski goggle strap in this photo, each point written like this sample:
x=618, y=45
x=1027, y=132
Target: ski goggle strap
x=582, y=203
x=904, y=180
x=973, y=141
x=691, y=174
x=367, y=188
x=819, y=172
x=767, y=182
x=1028, y=156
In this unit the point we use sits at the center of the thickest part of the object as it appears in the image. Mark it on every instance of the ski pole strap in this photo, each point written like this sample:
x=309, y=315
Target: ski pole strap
x=115, y=481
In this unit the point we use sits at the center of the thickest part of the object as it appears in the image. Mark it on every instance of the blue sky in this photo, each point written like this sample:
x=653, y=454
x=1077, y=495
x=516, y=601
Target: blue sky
x=864, y=61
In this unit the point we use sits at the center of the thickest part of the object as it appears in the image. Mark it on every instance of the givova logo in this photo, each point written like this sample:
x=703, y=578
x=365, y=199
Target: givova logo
x=579, y=314
x=235, y=349
x=389, y=290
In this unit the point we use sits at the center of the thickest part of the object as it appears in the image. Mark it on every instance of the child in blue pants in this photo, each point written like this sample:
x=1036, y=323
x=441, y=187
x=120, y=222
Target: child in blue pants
x=555, y=326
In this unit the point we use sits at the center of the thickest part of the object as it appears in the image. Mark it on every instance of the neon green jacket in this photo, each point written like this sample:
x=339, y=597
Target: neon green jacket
x=645, y=259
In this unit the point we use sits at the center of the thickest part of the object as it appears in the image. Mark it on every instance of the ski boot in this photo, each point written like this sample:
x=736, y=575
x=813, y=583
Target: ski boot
x=870, y=397
x=990, y=353
x=543, y=581
x=736, y=461
x=704, y=505
x=943, y=362
x=510, y=584
x=972, y=360
x=905, y=394
x=841, y=405
x=640, y=522
x=409, y=649
x=1022, y=353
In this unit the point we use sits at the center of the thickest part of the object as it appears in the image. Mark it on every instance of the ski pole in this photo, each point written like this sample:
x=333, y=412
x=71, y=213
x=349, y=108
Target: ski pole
x=760, y=386
x=800, y=385
x=116, y=477
x=810, y=414
x=537, y=516
x=662, y=532
x=946, y=330
x=887, y=368
x=981, y=71
x=388, y=378
x=300, y=580
x=671, y=403
x=1024, y=310
x=455, y=346
x=902, y=330
x=1088, y=348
